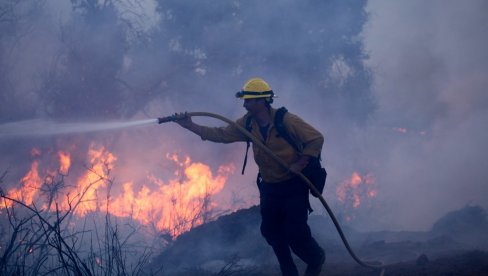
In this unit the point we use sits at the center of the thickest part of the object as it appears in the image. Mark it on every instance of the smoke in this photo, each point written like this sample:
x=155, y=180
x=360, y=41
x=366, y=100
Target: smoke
x=397, y=89
x=431, y=73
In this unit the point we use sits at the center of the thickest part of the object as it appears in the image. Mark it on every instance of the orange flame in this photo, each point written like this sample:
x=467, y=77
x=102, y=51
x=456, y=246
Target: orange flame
x=31, y=183
x=356, y=188
x=64, y=162
x=95, y=178
x=173, y=206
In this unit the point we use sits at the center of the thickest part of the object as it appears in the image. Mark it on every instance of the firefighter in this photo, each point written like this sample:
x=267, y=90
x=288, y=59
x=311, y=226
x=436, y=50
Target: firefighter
x=284, y=198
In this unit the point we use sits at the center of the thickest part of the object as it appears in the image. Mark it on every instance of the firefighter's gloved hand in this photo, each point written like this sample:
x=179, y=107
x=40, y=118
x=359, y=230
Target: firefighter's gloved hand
x=298, y=166
x=183, y=119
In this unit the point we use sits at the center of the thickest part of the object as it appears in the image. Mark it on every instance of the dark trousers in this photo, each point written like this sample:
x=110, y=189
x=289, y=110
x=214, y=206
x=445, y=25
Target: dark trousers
x=284, y=211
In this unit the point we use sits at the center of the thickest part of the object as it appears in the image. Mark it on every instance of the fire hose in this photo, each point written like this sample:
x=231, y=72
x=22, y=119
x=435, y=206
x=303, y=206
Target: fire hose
x=176, y=117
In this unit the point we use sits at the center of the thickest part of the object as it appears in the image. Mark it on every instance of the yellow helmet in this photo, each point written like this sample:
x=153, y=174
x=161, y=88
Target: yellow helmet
x=255, y=88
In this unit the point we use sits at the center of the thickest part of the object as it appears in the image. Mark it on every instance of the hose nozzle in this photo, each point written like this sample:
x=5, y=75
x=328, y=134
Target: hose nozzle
x=166, y=119
x=172, y=118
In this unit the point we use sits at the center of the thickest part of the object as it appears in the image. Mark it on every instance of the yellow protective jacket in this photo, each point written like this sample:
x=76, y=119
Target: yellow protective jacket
x=308, y=139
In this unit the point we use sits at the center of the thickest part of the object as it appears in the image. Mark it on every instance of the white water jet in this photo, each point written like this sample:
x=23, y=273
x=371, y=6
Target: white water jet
x=40, y=127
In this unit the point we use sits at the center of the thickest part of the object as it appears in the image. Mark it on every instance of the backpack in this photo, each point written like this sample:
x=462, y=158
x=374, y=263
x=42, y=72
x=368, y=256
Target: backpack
x=313, y=171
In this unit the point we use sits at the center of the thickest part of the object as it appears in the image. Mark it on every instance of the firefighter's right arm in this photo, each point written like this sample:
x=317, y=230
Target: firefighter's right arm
x=226, y=134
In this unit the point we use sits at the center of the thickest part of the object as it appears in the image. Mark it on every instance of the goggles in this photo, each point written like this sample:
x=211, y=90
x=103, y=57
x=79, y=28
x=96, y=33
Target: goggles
x=265, y=94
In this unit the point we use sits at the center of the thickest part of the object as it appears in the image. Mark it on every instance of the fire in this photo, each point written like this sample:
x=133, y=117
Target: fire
x=355, y=189
x=31, y=183
x=172, y=206
x=93, y=181
x=64, y=162
x=175, y=206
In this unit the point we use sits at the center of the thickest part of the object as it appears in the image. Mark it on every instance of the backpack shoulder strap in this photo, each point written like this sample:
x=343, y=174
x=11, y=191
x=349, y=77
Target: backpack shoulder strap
x=281, y=129
x=248, y=124
x=248, y=141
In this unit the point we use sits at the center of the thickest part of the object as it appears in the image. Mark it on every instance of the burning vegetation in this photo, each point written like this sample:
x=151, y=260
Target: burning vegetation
x=356, y=190
x=171, y=206
x=79, y=219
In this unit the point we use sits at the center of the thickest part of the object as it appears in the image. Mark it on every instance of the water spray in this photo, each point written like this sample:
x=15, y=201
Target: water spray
x=44, y=127
x=257, y=142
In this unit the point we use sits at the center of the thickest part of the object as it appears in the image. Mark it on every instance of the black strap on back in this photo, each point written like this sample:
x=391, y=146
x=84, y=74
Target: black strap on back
x=248, y=141
x=281, y=129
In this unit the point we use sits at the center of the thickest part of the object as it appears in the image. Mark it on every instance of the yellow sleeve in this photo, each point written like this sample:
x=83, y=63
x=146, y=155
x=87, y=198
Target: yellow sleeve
x=227, y=134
